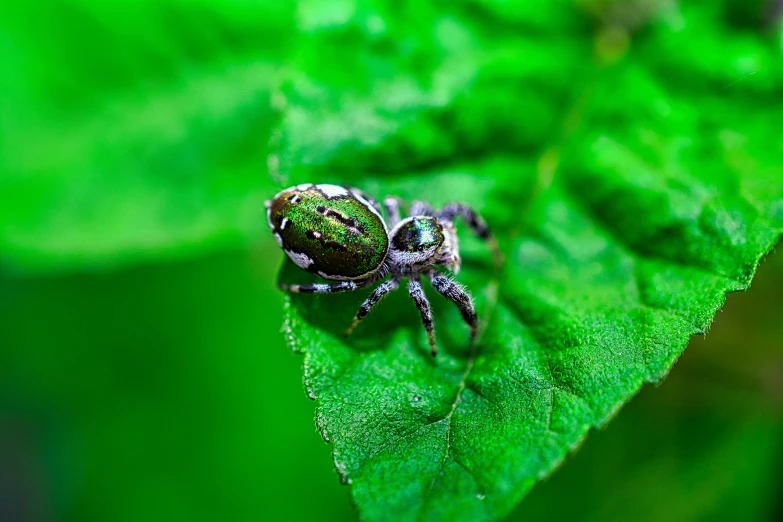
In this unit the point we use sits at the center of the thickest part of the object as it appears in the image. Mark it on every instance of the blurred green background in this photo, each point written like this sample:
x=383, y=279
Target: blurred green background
x=143, y=375
x=166, y=392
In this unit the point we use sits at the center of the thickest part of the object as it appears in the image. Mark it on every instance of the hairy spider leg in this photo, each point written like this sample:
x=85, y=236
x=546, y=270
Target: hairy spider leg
x=476, y=224
x=380, y=291
x=421, y=208
x=392, y=205
x=326, y=288
x=417, y=294
x=456, y=293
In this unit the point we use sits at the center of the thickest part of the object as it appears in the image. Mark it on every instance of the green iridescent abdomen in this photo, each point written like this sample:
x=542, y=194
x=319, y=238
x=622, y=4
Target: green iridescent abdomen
x=329, y=230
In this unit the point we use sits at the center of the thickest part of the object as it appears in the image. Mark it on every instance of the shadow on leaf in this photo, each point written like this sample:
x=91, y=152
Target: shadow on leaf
x=333, y=313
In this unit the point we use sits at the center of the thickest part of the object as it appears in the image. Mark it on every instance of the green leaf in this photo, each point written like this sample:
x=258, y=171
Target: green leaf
x=706, y=446
x=134, y=131
x=627, y=160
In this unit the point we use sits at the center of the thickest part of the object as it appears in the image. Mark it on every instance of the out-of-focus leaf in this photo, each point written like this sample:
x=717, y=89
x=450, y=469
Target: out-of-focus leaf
x=623, y=154
x=157, y=393
x=135, y=130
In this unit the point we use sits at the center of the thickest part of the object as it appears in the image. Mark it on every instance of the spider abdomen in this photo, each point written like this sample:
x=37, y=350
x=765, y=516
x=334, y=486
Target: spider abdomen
x=329, y=230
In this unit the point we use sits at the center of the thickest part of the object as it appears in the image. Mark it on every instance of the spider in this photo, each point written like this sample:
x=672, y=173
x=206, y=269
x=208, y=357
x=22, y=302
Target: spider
x=339, y=234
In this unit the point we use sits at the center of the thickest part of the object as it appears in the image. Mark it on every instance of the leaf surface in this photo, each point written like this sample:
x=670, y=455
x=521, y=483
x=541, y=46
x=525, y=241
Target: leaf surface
x=621, y=159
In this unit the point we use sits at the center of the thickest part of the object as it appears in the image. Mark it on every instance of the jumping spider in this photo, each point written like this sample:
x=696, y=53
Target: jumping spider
x=339, y=234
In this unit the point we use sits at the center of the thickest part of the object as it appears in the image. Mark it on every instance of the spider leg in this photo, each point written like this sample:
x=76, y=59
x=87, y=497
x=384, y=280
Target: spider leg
x=456, y=293
x=326, y=288
x=421, y=208
x=377, y=294
x=417, y=294
x=392, y=205
x=452, y=210
x=476, y=224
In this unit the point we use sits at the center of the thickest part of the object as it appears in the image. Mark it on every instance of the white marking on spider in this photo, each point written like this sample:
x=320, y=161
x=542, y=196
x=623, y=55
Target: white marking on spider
x=370, y=206
x=316, y=235
x=301, y=260
x=269, y=215
x=303, y=187
x=283, y=223
x=332, y=191
x=279, y=239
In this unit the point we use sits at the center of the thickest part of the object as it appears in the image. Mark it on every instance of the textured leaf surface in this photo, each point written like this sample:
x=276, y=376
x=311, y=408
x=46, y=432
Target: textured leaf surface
x=669, y=454
x=621, y=156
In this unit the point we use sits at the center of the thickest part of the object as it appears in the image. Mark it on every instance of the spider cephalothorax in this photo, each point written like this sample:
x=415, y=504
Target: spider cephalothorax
x=339, y=234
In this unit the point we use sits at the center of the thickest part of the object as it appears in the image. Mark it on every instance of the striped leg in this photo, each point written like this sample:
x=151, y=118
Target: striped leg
x=452, y=210
x=456, y=293
x=421, y=208
x=392, y=205
x=417, y=294
x=474, y=221
x=377, y=294
x=324, y=288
